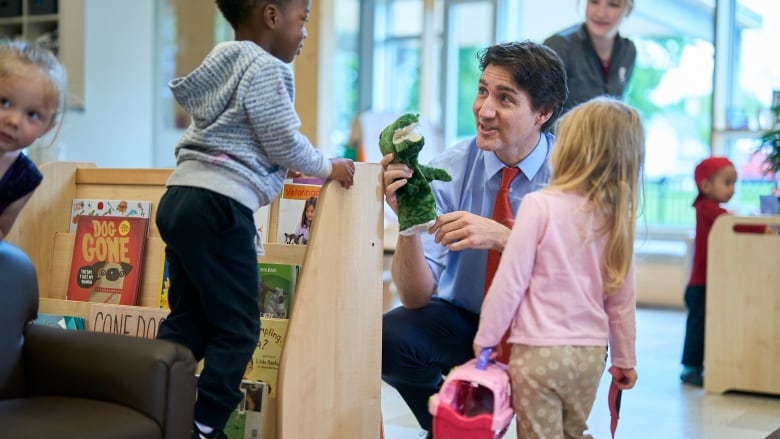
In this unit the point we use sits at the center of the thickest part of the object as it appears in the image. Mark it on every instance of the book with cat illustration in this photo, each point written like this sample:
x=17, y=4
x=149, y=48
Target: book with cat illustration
x=297, y=207
x=277, y=289
x=107, y=259
x=101, y=207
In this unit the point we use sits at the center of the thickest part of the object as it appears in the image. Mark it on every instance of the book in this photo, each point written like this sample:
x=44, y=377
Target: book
x=246, y=421
x=261, y=217
x=135, y=321
x=264, y=365
x=297, y=206
x=100, y=207
x=277, y=287
x=75, y=323
x=265, y=360
x=107, y=260
x=165, y=282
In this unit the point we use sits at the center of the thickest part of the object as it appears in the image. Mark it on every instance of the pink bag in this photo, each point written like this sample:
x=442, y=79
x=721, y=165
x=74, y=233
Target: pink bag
x=474, y=402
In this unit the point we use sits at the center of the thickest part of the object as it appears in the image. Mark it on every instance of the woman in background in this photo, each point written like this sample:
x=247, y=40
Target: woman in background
x=598, y=60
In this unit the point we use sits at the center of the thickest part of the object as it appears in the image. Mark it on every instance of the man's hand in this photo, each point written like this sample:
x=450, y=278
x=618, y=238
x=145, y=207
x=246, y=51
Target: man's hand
x=395, y=176
x=461, y=230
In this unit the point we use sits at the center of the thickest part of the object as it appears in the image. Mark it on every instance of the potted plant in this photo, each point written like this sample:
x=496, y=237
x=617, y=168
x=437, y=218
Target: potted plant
x=769, y=145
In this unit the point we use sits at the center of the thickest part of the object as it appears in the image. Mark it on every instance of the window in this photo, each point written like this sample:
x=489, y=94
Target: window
x=747, y=75
x=672, y=84
x=185, y=32
x=469, y=27
x=410, y=41
x=346, y=68
x=394, y=56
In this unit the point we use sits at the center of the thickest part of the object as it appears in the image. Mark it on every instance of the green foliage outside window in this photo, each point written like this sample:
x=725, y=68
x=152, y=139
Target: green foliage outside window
x=467, y=90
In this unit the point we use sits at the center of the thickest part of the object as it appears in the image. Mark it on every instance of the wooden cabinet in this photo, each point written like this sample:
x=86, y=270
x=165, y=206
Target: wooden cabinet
x=55, y=24
x=329, y=376
x=741, y=349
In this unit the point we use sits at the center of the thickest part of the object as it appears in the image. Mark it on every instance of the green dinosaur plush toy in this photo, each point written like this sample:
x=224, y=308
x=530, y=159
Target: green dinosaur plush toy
x=416, y=205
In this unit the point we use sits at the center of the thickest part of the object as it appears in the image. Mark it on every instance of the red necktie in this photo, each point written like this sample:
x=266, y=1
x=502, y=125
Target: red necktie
x=502, y=213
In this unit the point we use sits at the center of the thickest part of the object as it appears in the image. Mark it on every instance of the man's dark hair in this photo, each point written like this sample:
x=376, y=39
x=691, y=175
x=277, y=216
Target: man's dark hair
x=236, y=11
x=537, y=69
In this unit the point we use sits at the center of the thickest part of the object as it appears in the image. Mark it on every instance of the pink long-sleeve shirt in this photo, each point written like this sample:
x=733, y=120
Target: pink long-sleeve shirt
x=549, y=285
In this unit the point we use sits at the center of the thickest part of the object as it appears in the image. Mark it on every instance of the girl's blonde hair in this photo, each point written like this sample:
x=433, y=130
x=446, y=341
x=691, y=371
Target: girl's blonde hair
x=16, y=52
x=599, y=152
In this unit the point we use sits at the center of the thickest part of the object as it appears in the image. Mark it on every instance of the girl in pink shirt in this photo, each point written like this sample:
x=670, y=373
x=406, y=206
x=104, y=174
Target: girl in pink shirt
x=565, y=284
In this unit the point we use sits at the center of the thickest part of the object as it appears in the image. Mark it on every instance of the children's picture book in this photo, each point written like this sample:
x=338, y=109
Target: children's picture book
x=277, y=288
x=98, y=207
x=165, y=282
x=297, y=206
x=246, y=421
x=108, y=254
x=268, y=354
x=74, y=323
x=135, y=321
x=261, y=217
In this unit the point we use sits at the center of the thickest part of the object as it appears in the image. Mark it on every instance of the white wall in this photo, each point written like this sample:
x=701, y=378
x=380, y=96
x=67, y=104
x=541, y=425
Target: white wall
x=115, y=129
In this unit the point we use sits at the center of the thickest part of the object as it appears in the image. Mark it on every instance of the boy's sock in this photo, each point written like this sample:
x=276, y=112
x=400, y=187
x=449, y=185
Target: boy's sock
x=205, y=429
x=201, y=431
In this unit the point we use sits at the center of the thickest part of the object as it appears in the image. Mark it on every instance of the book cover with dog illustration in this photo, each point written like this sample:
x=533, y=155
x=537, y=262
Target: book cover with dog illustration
x=107, y=259
x=297, y=206
x=277, y=288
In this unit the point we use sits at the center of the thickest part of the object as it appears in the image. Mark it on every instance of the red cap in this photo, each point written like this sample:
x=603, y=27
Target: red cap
x=706, y=168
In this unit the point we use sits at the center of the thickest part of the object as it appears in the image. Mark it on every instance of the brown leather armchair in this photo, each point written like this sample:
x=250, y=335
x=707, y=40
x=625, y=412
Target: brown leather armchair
x=75, y=384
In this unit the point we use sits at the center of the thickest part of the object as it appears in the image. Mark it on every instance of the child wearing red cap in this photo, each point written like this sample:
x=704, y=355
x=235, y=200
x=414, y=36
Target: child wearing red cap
x=715, y=178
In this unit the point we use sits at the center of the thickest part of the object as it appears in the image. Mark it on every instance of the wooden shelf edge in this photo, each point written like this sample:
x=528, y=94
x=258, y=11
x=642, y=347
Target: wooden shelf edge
x=283, y=254
x=126, y=176
x=78, y=308
x=64, y=307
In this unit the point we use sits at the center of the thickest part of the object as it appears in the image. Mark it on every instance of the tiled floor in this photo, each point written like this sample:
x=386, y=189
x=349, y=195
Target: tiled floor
x=658, y=407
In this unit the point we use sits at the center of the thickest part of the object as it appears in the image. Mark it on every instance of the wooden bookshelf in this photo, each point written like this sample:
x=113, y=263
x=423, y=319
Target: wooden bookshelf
x=741, y=351
x=330, y=368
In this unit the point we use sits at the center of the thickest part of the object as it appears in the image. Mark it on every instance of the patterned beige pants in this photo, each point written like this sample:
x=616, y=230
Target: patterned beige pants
x=553, y=389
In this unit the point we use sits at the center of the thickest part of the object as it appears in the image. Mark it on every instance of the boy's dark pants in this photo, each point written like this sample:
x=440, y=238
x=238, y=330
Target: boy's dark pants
x=421, y=345
x=693, y=347
x=213, y=291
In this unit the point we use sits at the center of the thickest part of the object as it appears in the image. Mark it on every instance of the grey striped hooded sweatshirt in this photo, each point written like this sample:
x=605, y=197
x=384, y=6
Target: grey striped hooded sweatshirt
x=244, y=134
